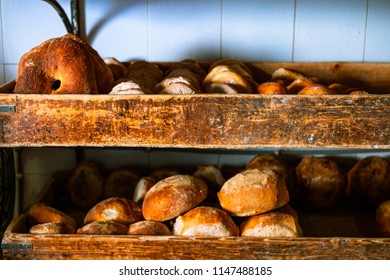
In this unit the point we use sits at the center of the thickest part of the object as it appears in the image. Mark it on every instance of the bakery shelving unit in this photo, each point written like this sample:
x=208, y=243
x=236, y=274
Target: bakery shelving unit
x=204, y=121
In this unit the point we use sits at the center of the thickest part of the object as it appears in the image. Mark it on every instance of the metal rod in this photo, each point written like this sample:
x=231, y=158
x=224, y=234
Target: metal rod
x=62, y=14
x=75, y=10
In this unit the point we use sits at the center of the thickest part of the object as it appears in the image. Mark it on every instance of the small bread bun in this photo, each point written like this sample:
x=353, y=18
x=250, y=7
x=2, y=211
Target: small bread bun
x=52, y=228
x=41, y=213
x=320, y=181
x=205, y=221
x=173, y=196
x=121, y=183
x=103, y=228
x=369, y=180
x=214, y=179
x=270, y=224
x=271, y=88
x=382, y=222
x=148, y=228
x=85, y=185
x=115, y=209
x=317, y=89
x=253, y=192
x=143, y=186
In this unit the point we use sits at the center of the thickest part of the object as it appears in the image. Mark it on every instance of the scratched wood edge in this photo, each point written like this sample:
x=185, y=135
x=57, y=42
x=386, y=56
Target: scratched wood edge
x=74, y=246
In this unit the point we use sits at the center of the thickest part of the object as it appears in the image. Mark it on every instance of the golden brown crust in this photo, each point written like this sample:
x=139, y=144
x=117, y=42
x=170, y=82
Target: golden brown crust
x=320, y=181
x=173, y=196
x=205, y=221
x=369, y=180
x=143, y=186
x=382, y=221
x=40, y=213
x=253, y=192
x=271, y=88
x=52, y=228
x=121, y=183
x=85, y=186
x=103, y=228
x=148, y=228
x=66, y=64
x=115, y=209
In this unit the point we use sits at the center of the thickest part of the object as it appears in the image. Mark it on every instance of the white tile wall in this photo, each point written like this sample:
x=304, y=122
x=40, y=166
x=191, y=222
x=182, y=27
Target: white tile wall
x=171, y=30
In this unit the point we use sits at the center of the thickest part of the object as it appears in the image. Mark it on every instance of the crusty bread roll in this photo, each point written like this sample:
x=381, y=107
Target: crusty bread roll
x=382, y=221
x=271, y=88
x=279, y=165
x=40, y=213
x=117, y=68
x=85, y=185
x=369, y=180
x=271, y=224
x=205, y=221
x=143, y=186
x=214, y=179
x=115, y=209
x=320, y=181
x=121, y=183
x=173, y=196
x=148, y=228
x=103, y=228
x=253, y=192
x=51, y=228
x=66, y=64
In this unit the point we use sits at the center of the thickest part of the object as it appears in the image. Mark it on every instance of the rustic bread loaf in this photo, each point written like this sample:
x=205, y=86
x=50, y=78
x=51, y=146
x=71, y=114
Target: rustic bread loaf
x=382, y=221
x=85, y=185
x=173, y=196
x=369, y=180
x=66, y=64
x=115, y=209
x=143, y=186
x=148, y=228
x=253, y=192
x=117, y=68
x=103, y=228
x=40, y=213
x=51, y=228
x=121, y=183
x=205, y=221
x=214, y=179
x=320, y=181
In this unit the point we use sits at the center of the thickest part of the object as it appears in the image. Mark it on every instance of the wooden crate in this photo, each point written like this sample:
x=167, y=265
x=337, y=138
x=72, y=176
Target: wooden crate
x=208, y=121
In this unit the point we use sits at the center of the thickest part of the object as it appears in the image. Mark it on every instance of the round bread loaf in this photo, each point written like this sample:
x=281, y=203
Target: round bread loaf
x=103, y=228
x=369, y=180
x=115, y=209
x=148, y=228
x=214, y=179
x=121, y=183
x=320, y=181
x=382, y=222
x=271, y=88
x=40, y=213
x=143, y=186
x=173, y=196
x=205, y=221
x=253, y=192
x=52, y=228
x=66, y=64
x=85, y=185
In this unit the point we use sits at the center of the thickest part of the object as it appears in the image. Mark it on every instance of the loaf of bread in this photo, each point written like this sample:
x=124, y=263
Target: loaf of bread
x=205, y=221
x=85, y=185
x=140, y=78
x=117, y=68
x=40, y=213
x=253, y=192
x=172, y=196
x=183, y=77
x=143, y=186
x=271, y=88
x=229, y=76
x=66, y=64
x=51, y=228
x=121, y=183
x=276, y=223
x=148, y=228
x=382, y=221
x=212, y=176
x=163, y=172
x=115, y=209
x=320, y=181
x=103, y=228
x=369, y=180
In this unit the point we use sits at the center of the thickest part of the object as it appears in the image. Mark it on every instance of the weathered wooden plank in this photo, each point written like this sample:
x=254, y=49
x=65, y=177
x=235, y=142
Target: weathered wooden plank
x=197, y=121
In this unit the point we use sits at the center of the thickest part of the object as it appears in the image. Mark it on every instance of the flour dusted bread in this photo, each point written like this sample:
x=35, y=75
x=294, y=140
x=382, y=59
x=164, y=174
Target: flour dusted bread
x=369, y=180
x=85, y=185
x=148, y=228
x=67, y=64
x=142, y=187
x=172, y=196
x=382, y=221
x=40, y=213
x=115, y=209
x=51, y=228
x=103, y=228
x=205, y=221
x=252, y=192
